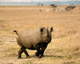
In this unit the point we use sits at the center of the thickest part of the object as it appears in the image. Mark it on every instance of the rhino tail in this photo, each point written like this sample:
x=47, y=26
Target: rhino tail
x=15, y=32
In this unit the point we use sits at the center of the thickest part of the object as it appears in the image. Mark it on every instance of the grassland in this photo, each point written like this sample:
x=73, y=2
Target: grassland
x=65, y=45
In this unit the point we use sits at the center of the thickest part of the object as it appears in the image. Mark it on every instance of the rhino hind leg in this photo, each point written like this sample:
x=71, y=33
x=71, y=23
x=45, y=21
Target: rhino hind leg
x=20, y=52
x=22, y=49
x=26, y=53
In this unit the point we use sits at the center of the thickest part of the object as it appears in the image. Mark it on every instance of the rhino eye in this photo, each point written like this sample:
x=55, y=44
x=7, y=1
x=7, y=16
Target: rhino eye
x=41, y=29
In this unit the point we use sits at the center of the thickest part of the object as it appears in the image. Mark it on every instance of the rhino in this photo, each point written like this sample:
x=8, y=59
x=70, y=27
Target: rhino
x=37, y=39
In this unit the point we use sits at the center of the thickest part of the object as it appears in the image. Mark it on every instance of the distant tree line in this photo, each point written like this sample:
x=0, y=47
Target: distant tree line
x=41, y=4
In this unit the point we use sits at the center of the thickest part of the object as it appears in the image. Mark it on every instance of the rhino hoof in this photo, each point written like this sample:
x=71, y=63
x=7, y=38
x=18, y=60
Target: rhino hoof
x=19, y=57
x=27, y=56
x=37, y=54
x=40, y=56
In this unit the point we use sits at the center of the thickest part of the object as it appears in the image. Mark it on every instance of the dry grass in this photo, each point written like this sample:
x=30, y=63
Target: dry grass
x=65, y=45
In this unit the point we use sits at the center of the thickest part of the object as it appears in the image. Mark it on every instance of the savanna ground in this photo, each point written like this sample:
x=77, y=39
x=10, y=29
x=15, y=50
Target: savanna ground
x=65, y=45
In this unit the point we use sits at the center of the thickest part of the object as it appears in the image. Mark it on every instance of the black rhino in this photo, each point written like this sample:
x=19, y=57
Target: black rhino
x=37, y=39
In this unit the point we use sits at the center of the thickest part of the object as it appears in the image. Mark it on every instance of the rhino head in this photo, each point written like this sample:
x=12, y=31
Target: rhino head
x=46, y=34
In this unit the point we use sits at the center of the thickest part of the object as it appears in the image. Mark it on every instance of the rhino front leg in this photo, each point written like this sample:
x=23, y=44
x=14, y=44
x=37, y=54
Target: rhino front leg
x=43, y=49
x=39, y=52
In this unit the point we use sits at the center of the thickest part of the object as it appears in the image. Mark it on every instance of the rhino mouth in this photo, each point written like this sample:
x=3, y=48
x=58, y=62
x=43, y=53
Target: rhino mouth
x=48, y=40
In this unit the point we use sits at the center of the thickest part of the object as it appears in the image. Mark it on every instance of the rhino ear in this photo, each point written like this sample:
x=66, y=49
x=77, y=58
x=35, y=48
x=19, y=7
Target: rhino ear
x=51, y=29
x=41, y=30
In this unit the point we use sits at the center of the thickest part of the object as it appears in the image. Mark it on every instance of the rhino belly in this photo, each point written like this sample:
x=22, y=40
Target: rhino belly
x=27, y=45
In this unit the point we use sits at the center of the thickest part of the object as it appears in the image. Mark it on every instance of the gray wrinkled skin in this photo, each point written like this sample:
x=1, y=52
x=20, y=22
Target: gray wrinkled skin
x=37, y=39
